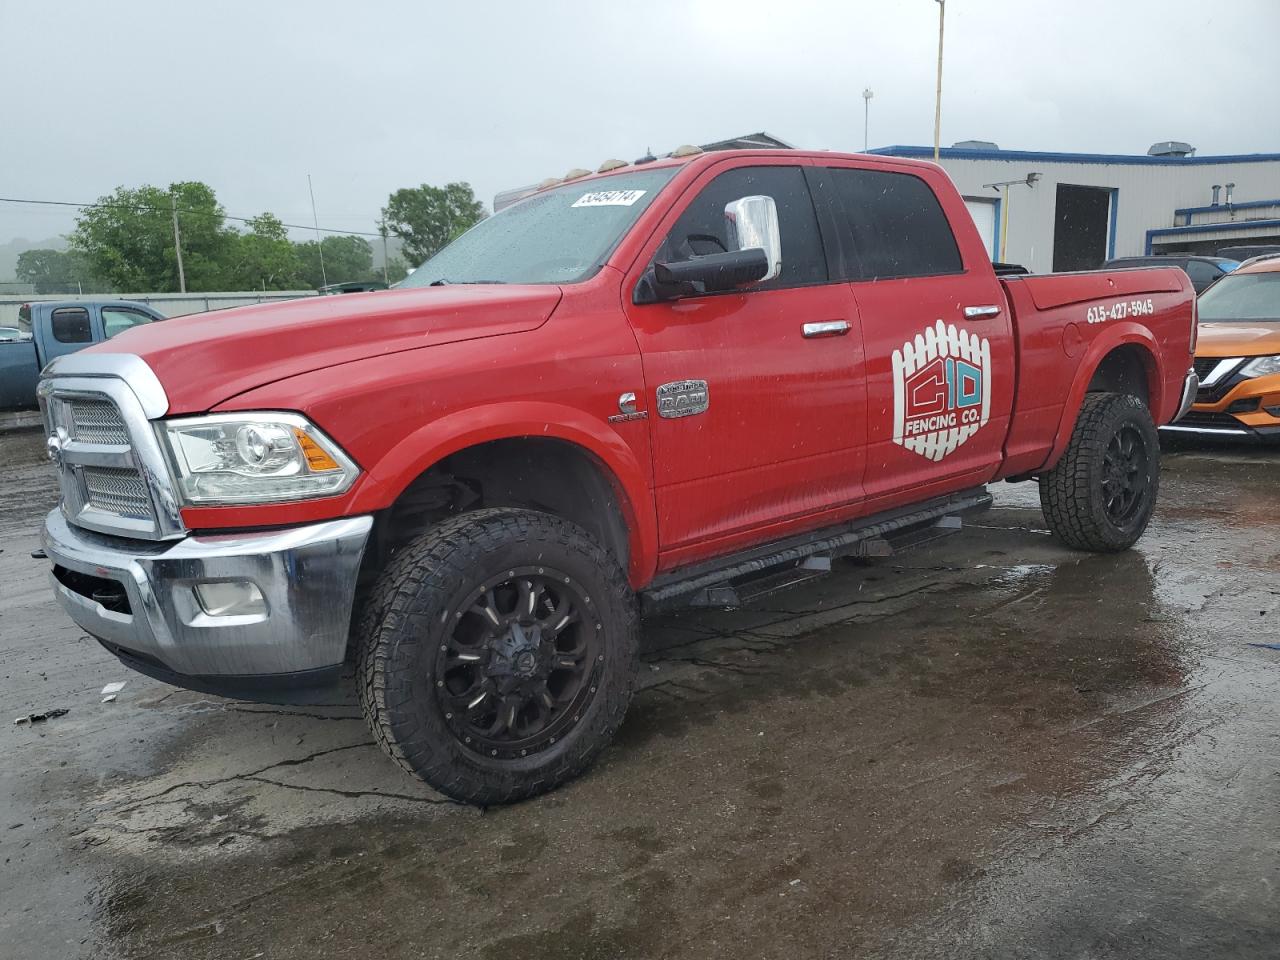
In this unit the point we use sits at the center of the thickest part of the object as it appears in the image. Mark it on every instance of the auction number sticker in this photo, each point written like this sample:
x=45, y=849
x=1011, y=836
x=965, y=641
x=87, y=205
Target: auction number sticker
x=1120, y=310
x=609, y=198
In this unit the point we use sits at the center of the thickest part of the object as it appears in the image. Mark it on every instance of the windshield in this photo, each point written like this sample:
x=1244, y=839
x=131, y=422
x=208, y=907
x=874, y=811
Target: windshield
x=561, y=235
x=1242, y=296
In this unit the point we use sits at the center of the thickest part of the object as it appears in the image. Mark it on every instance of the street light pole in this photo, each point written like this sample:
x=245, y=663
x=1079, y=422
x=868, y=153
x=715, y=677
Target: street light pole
x=867, y=94
x=937, y=103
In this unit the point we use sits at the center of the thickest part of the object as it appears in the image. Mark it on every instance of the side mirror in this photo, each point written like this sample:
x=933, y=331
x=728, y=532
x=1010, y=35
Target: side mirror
x=753, y=224
x=754, y=255
x=716, y=272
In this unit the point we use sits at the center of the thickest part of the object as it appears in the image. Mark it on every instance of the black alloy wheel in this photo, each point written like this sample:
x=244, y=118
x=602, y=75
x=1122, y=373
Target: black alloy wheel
x=520, y=664
x=1125, y=477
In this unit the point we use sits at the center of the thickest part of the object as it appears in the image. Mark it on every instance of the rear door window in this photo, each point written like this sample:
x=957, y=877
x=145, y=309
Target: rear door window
x=71, y=325
x=892, y=226
x=702, y=228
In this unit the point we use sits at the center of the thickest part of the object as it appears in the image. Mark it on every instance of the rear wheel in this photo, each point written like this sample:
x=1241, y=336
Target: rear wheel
x=498, y=654
x=1101, y=494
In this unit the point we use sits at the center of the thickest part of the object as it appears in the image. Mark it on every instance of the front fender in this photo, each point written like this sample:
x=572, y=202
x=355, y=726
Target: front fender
x=432, y=442
x=1109, y=339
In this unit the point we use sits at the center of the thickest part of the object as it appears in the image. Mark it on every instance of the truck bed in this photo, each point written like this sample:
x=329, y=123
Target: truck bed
x=1065, y=322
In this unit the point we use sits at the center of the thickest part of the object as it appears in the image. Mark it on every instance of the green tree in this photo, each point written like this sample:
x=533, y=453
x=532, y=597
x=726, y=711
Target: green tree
x=127, y=238
x=346, y=258
x=264, y=258
x=427, y=218
x=58, y=271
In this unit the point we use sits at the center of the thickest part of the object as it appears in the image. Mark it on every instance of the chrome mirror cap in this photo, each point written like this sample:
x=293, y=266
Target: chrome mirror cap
x=753, y=224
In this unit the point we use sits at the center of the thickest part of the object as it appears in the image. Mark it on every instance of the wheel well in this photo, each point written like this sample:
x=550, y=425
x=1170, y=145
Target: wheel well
x=553, y=476
x=1127, y=370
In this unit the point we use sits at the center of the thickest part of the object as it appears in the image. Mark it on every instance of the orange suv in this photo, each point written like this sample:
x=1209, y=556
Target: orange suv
x=1238, y=356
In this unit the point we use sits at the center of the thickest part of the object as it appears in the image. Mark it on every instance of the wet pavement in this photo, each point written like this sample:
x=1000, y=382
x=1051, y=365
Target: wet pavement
x=987, y=747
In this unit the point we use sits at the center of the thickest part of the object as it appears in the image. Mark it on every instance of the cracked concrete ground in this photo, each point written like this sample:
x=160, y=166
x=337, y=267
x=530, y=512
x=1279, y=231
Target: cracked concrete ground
x=987, y=747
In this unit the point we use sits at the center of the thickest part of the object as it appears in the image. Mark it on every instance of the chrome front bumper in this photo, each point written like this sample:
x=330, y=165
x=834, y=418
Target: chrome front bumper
x=1189, y=388
x=306, y=576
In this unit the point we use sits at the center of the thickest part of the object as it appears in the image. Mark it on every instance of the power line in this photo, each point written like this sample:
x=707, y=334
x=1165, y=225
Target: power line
x=183, y=210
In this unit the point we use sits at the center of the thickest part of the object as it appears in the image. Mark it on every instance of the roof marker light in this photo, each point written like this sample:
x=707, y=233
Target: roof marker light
x=576, y=173
x=610, y=165
x=686, y=150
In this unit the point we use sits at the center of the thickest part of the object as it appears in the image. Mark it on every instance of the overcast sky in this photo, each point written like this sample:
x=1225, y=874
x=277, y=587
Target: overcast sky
x=368, y=97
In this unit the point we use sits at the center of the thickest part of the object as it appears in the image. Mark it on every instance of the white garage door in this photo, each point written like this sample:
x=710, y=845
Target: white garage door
x=984, y=216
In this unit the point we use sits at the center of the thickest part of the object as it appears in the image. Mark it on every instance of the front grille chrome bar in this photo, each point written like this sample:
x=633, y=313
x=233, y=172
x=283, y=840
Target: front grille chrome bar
x=114, y=476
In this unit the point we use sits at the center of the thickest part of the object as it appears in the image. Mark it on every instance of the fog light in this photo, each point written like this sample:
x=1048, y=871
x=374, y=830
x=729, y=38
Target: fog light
x=231, y=598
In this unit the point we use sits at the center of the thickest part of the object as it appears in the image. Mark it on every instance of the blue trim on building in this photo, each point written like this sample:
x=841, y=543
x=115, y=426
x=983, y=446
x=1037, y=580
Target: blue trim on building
x=1115, y=216
x=1209, y=228
x=958, y=153
x=1228, y=207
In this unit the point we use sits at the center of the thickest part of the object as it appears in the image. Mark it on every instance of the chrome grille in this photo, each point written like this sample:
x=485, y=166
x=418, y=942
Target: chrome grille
x=121, y=492
x=102, y=488
x=95, y=421
x=100, y=411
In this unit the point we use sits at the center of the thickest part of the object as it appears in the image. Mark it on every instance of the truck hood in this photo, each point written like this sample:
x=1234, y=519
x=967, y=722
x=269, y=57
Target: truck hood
x=207, y=358
x=1245, y=339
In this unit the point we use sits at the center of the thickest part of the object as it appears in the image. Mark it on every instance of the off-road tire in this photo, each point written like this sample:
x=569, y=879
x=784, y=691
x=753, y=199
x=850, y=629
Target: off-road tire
x=1072, y=493
x=404, y=625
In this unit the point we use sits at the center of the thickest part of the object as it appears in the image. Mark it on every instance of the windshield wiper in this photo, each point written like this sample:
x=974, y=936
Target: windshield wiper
x=442, y=282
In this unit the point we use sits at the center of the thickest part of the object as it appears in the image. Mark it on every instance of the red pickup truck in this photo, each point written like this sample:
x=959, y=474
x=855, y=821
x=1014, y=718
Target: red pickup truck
x=636, y=387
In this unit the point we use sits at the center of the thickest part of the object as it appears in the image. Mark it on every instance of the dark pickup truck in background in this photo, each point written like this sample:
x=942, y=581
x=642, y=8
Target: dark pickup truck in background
x=47, y=330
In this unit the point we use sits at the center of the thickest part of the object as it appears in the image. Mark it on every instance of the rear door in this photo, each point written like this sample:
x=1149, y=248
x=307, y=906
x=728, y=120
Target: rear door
x=935, y=328
x=756, y=417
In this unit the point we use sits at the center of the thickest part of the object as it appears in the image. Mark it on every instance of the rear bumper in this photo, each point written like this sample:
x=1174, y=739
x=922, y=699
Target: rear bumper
x=139, y=600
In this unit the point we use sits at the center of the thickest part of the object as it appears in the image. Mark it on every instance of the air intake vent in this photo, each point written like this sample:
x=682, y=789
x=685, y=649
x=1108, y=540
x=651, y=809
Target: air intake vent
x=1171, y=148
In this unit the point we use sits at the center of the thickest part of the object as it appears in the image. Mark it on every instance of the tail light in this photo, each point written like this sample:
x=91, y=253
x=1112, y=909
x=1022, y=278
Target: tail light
x=1195, y=325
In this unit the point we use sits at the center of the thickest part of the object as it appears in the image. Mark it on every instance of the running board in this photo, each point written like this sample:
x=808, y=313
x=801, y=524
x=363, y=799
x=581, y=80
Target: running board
x=732, y=581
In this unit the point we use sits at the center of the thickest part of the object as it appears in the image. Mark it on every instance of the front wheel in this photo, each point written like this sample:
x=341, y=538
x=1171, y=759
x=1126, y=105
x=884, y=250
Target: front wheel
x=1101, y=494
x=497, y=655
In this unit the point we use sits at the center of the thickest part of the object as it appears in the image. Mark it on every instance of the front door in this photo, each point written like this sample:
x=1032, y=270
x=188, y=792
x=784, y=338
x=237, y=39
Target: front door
x=755, y=425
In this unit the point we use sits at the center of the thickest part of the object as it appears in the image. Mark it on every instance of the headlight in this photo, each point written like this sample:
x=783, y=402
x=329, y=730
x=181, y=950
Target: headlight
x=255, y=458
x=1261, y=367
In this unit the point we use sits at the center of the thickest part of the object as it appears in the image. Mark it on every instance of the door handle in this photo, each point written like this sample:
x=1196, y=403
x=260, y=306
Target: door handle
x=981, y=312
x=826, y=328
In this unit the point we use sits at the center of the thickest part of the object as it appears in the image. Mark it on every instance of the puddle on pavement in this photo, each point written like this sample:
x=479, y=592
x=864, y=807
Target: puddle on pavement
x=767, y=781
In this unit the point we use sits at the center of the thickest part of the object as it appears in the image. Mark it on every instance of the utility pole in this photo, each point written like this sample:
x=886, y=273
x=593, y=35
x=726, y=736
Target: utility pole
x=382, y=229
x=937, y=103
x=324, y=278
x=866, y=116
x=177, y=243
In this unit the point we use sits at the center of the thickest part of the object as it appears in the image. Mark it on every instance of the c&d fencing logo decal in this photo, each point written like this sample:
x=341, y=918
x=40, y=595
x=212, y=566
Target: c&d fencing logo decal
x=941, y=390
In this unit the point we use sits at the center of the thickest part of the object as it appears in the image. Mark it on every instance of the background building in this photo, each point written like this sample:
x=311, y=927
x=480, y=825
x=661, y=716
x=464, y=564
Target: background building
x=1072, y=211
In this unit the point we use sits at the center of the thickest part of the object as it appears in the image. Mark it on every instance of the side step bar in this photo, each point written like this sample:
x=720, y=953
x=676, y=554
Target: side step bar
x=756, y=572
